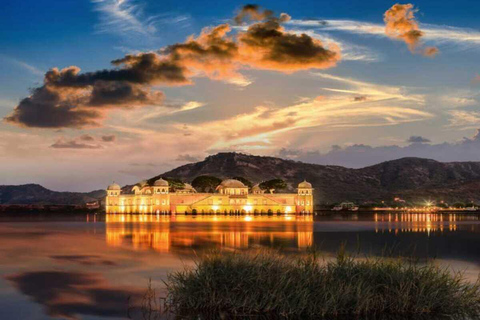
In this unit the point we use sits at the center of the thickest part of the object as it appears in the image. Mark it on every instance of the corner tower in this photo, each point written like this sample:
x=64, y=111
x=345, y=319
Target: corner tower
x=304, y=197
x=112, y=198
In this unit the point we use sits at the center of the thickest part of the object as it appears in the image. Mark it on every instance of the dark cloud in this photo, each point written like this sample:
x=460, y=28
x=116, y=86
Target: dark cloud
x=86, y=260
x=73, y=144
x=86, y=137
x=360, y=98
x=123, y=94
x=69, y=294
x=49, y=107
x=71, y=99
x=187, y=158
x=252, y=12
x=400, y=24
x=418, y=139
x=430, y=51
x=109, y=138
x=266, y=45
x=361, y=155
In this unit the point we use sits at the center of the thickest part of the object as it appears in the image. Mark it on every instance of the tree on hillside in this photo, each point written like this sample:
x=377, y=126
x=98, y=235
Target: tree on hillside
x=274, y=184
x=206, y=183
x=246, y=182
x=175, y=184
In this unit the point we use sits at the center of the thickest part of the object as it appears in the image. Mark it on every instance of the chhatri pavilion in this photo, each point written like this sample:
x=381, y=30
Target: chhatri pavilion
x=231, y=197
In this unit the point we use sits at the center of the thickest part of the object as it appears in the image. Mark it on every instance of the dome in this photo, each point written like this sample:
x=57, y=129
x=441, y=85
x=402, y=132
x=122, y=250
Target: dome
x=113, y=186
x=232, y=183
x=305, y=185
x=256, y=187
x=161, y=183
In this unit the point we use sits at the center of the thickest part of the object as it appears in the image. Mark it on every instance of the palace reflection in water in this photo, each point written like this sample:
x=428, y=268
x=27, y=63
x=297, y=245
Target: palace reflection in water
x=165, y=233
x=176, y=233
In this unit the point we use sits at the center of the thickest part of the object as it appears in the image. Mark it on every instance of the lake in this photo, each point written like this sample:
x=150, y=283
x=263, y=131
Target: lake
x=91, y=266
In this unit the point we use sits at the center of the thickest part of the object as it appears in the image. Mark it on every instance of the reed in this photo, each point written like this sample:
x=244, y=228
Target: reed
x=267, y=284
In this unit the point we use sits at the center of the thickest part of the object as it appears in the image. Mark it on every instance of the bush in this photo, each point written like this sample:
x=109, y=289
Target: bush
x=270, y=285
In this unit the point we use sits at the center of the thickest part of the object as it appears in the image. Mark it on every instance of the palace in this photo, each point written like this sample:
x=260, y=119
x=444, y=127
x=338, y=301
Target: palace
x=231, y=197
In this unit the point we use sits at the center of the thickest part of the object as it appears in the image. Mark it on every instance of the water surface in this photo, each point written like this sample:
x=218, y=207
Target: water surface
x=89, y=266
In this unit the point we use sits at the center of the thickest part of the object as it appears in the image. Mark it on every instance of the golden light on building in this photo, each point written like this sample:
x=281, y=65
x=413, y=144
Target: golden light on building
x=231, y=197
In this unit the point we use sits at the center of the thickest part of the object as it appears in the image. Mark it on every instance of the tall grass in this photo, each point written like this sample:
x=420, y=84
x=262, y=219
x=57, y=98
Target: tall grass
x=270, y=285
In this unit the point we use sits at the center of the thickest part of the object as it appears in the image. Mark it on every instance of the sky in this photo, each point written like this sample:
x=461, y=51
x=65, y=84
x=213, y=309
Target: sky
x=99, y=91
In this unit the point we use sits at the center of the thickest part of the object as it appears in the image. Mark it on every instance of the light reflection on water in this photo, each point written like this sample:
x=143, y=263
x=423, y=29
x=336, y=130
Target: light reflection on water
x=86, y=266
x=163, y=233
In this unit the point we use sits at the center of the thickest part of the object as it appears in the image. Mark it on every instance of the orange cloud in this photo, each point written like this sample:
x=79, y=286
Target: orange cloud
x=400, y=24
x=69, y=98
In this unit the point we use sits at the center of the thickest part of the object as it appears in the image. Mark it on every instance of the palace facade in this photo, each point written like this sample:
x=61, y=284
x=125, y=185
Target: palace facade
x=231, y=197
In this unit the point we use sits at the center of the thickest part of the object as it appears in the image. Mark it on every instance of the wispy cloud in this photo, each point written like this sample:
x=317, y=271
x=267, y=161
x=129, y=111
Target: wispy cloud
x=26, y=66
x=463, y=37
x=63, y=143
x=128, y=17
x=463, y=119
x=354, y=104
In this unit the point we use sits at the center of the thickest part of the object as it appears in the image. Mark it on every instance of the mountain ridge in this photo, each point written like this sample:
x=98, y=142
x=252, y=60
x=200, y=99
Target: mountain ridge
x=410, y=178
x=32, y=193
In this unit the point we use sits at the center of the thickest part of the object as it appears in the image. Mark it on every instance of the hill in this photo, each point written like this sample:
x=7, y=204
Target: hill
x=413, y=179
x=36, y=194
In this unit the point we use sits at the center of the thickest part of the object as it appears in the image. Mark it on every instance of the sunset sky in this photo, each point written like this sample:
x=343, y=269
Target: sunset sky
x=96, y=91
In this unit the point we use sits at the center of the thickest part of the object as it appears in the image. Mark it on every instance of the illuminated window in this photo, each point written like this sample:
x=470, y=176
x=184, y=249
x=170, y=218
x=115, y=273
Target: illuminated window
x=163, y=201
x=308, y=202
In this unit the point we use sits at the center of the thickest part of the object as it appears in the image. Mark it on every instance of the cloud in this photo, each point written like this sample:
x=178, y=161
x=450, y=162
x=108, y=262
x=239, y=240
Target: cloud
x=62, y=143
x=267, y=126
x=86, y=137
x=252, y=12
x=361, y=155
x=400, y=24
x=266, y=45
x=69, y=294
x=464, y=119
x=476, y=79
x=32, y=69
x=129, y=19
x=69, y=98
x=462, y=38
x=187, y=158
x=360, y=98
x=418, y=139
x=430, y=51
x=109, y=138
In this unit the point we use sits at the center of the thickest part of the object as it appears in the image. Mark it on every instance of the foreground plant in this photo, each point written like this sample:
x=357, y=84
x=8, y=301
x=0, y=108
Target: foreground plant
x=270, y=285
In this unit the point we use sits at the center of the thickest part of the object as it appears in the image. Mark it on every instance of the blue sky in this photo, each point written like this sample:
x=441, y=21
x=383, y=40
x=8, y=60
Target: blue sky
x=376, y=94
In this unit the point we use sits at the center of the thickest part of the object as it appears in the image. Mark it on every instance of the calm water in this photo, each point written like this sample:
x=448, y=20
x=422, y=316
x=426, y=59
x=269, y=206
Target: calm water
x=87, y=267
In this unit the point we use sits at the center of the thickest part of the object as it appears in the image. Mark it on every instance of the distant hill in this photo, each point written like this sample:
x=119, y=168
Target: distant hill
x=36, y=194
x=412, y=179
